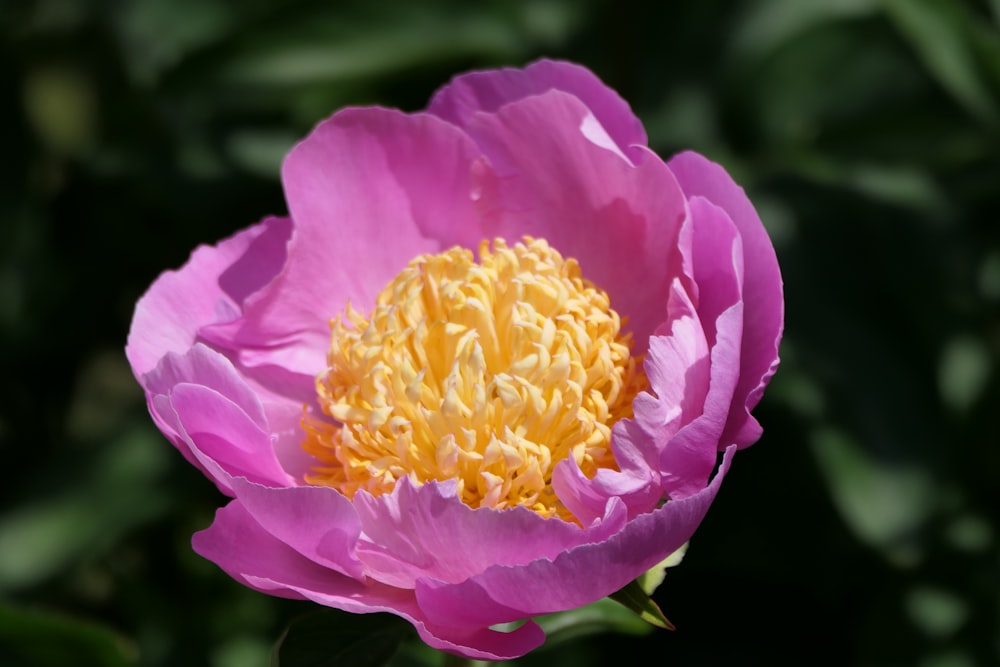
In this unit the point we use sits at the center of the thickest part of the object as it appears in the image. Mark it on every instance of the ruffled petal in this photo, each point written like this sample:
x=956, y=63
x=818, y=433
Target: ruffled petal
x=687, y=459
x=201, y=365
x=368, y=190
x=223, y=437
x=427, y=531
x=636, y=483
x=717, y=256
x=502, y=594
x=317, y=521
x=203, y=405
x=206, y=290
x=621, y=222
x=249, y=554
x=237, y=544
x=717, y=259
x=762, y=291
x=677, y=367
x=489, y=91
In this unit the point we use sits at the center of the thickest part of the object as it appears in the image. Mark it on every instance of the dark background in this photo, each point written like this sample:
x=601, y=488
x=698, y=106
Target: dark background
x=862, y=528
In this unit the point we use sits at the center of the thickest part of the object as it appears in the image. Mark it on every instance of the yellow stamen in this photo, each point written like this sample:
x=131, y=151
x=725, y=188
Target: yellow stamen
x=488, y=374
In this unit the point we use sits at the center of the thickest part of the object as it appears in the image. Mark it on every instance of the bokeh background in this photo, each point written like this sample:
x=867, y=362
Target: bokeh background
x=861, y=530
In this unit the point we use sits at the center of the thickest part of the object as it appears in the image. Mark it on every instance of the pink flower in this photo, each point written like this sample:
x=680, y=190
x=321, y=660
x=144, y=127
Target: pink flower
x=483, y=440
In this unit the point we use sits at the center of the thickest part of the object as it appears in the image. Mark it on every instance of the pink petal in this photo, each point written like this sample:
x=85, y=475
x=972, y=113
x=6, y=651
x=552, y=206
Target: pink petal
x=368, y=191
x=223, y=437
x=244, y=550
x=677, y=368
x=489, y=91
x=203, y=366
x=426, y=531
x=717, y=258
x=317, y=521
x=283, y=396
x=636, y=483
x=478, y=643
x=208, y=374
x=621, y=222
x=194, y=304
x=576, y=577
x=206, y=290
x=762, y=292
x=717, y=261
x=687, y=459
x=263, y=259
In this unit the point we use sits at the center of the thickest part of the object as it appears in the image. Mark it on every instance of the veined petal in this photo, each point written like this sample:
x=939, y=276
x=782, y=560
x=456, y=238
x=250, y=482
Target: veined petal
x=240, y=546
x=316, y=521
x=762, y=291
x=717, y=259
x=219, y=432
x=248, y=553
x=213, y=416
x=688, y=457
x=426, y=532
x=368, y=190
x=620, y=221
x=677, y=368
x=489, y=91
x=636, y=484
x=207, y=290
x=717, y=256
x=502, y=594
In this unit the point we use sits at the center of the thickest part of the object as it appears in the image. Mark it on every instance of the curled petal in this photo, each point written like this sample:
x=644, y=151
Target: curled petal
x=238, y=544
x=207, y=290
x=762, y=292
x=620, y=221
x=677, y=367
x=316, y=521
x=488, y=92
x=636, y=483
x=426, y=532
x=368, y=190
x=502, y=594
x=213, y=416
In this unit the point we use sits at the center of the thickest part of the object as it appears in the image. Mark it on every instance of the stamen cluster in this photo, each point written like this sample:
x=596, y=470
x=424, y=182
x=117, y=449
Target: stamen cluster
x=487, y=373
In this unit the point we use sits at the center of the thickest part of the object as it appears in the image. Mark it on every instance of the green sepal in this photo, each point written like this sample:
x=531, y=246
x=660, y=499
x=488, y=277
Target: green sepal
x=652, y=578
x=634, y=598
x=596, y=618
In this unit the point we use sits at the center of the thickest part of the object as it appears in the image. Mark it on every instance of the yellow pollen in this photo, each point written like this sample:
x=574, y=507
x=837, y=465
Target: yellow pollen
x=486, y=373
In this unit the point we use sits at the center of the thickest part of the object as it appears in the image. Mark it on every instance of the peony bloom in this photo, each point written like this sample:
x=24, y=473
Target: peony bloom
x=484, y=368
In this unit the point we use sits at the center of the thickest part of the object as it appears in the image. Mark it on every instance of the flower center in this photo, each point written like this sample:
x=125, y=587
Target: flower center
x=486, y=373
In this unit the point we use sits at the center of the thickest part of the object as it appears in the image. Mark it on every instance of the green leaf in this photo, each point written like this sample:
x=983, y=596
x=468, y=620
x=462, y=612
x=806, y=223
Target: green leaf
x=766, y=26
x=939, y=31
x=333, y=638
x=884, y=502
x=41, y=538
x=963, y=372
x=51, y=640
x=332, y=47
x=634, y=598
x=603, y=616
x=896, y=185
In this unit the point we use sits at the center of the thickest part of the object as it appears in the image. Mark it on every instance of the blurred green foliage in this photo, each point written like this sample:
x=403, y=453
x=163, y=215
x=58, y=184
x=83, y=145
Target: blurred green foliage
x=862, y=529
